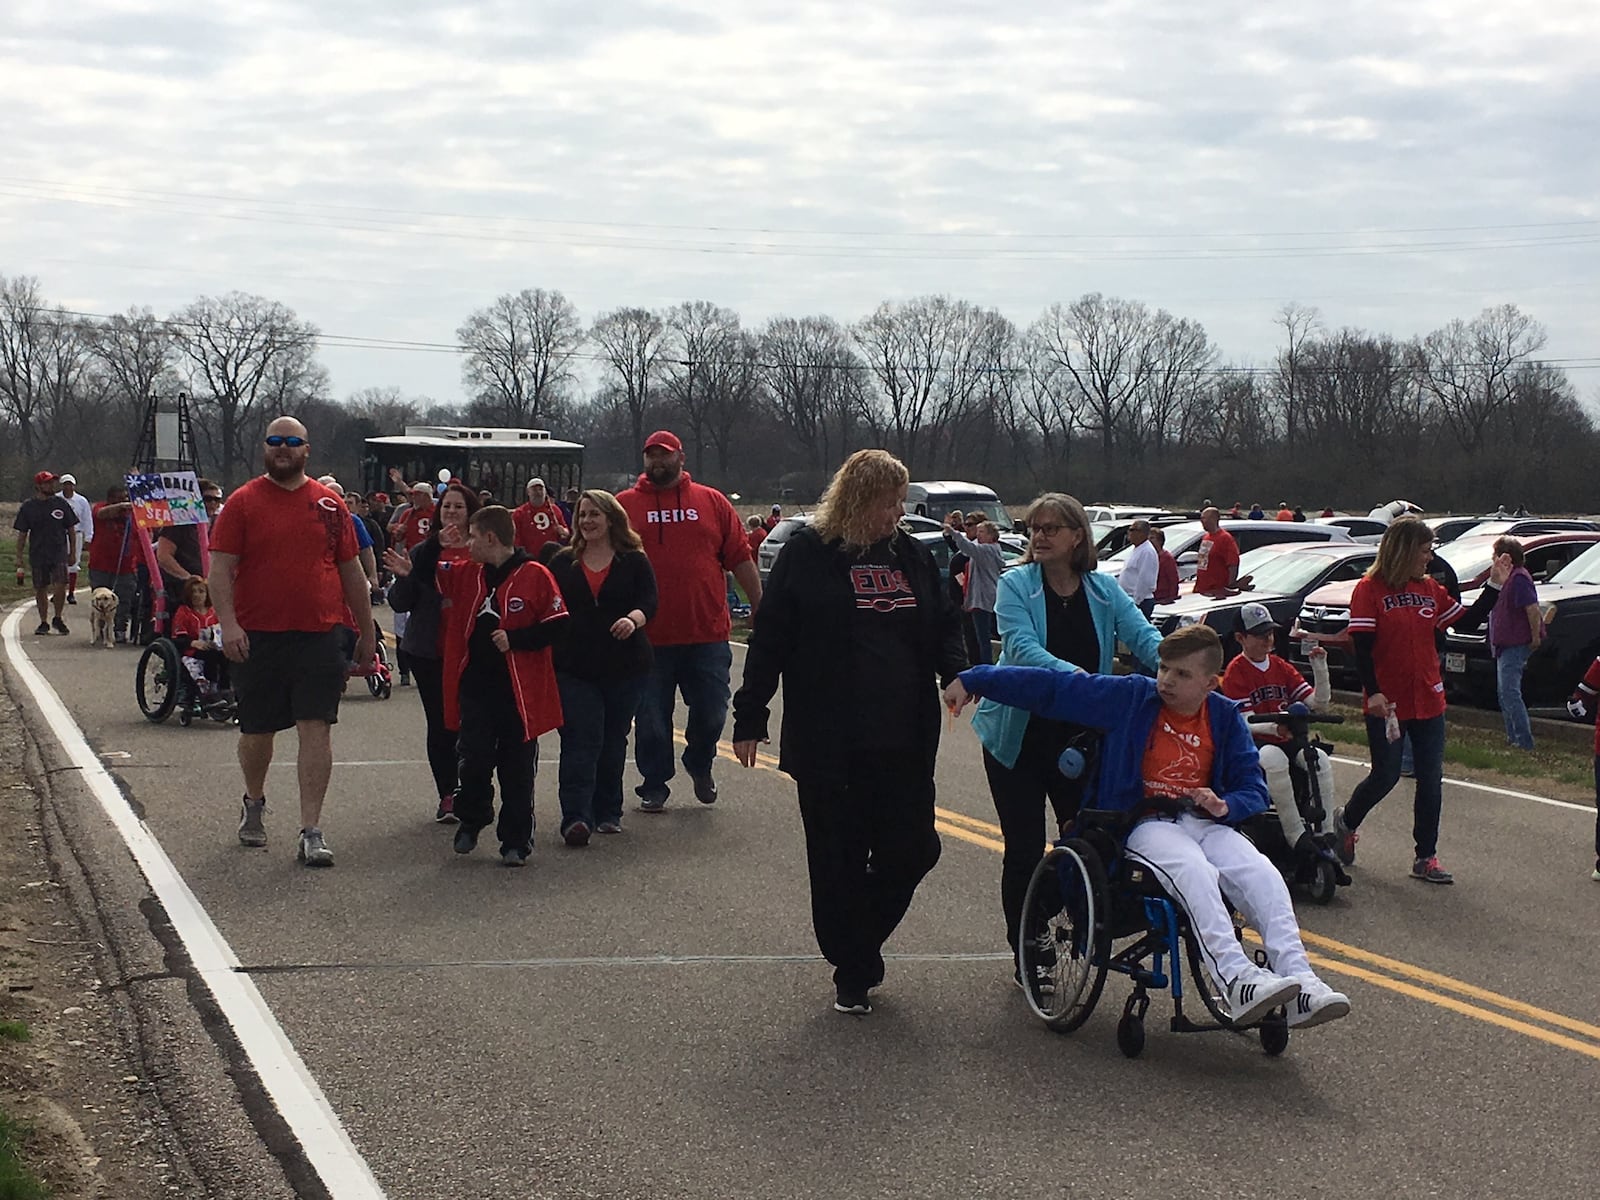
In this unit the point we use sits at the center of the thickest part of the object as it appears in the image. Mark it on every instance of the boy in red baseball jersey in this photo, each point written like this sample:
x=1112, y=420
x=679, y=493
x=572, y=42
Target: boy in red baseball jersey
x=1265, y=683
x=1582, y=706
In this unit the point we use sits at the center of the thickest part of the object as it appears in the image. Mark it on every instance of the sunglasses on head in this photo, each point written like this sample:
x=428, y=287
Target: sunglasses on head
x=277, y=439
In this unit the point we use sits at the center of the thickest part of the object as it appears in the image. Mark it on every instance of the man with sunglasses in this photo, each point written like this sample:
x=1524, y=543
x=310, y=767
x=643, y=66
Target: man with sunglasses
x=285, y=577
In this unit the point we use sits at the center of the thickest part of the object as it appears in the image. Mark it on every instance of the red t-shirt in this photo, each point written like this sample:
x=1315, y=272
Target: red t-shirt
x=1178, y=755
x=597, y=579
x=755, y=537
x=691, y=536
x=115, y=549
x=289, y=545
x=1404, y=656
x=414, y=527
x=1267, y=689
x=1589, y=687
x=536, y=526
x=1219, y=555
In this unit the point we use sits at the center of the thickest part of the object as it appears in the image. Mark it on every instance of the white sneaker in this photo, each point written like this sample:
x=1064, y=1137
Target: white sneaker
x=1316, y=1004
x=1256, y=992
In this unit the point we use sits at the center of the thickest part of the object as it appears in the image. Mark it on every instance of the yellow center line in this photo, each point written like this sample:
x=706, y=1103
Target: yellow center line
x=988, y=835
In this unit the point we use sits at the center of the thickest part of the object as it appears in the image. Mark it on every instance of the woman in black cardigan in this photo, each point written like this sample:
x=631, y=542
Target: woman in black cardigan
x=610, y=591
x=863, y=634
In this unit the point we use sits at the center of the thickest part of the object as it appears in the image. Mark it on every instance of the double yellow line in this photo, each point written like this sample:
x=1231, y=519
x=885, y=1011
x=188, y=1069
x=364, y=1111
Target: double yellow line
x=1392, y=974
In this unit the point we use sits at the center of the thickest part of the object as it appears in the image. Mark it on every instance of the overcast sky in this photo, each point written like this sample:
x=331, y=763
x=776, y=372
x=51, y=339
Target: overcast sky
x=386, y=166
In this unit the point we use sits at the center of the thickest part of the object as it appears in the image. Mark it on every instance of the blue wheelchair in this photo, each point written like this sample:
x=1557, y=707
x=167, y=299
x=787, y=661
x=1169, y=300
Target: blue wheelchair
x=1091, y=910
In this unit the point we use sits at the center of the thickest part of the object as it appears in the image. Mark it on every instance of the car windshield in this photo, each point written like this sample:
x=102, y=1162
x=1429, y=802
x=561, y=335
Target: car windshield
x=1468, y=557
x=989, y=510
x=1583, y=569
x=1272, y=569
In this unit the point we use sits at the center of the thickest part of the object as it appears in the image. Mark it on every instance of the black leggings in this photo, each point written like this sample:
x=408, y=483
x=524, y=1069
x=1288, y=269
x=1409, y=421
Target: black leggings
x=429, y=674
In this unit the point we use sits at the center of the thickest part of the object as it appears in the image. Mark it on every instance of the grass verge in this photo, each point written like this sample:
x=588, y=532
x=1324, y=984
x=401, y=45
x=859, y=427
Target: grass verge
x=14, y=1031
x=16, y=1181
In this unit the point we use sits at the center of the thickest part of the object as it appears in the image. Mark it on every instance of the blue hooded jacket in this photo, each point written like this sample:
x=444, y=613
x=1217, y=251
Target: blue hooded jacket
x=1125, y=707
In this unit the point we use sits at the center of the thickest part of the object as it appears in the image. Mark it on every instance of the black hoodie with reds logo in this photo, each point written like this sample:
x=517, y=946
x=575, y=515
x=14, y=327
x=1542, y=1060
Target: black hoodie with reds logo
x=692, y=537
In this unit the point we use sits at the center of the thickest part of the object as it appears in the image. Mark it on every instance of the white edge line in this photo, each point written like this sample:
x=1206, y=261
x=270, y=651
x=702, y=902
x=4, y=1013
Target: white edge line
x=299, y=1100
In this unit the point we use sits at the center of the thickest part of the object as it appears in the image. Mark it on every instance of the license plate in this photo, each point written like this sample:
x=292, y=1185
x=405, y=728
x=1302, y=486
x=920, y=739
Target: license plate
x=1456, y=664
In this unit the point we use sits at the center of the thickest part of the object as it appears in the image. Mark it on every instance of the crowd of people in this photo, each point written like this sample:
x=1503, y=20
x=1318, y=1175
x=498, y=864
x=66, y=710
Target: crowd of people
x=592, y=617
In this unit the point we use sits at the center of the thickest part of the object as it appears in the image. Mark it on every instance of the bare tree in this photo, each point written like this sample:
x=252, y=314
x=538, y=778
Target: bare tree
x=1301, y=325
x=631, y=343
x=813, y=380
x=1470, y=368
x=42, y=356
x=908, y=348
x=1180, y=362
x=518, y=354
x=700, y=338
x=247, y=358
x=1104, y=344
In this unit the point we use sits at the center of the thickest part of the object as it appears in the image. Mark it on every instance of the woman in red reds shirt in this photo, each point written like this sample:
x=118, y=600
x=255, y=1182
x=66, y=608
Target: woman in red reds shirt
x=1582, y=707
x=1394, y=612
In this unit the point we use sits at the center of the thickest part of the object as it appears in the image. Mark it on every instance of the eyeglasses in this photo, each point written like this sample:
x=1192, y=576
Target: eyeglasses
x=277, y=439
x=1048, y=530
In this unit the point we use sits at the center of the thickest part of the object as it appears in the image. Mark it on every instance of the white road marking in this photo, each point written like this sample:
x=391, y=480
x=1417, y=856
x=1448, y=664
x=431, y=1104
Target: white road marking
x=1484, y=787
x=299, y=1100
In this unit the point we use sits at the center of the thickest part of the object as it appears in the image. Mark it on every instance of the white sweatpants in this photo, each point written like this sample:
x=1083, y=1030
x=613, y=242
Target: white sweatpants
x=1275, y=766
x=1198, y=862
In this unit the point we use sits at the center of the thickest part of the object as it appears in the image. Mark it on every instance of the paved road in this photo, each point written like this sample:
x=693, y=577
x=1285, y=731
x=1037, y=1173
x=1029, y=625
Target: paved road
x=647, y=1017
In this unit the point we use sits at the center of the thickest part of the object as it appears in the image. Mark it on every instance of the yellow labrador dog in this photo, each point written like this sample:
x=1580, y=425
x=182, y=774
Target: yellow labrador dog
x=102, y=617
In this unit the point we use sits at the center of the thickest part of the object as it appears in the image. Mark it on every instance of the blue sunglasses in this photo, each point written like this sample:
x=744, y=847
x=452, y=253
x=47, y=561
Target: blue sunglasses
x=291, y=441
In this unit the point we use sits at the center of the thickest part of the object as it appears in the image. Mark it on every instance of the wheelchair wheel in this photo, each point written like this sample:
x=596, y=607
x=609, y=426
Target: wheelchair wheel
x=1130, y=1035
x=1063, y=941
x=1203, y=984
x=157, y=683
x=1324, y=882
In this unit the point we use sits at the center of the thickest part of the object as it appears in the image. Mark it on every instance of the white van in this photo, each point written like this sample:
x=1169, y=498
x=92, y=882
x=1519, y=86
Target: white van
x=936, y=499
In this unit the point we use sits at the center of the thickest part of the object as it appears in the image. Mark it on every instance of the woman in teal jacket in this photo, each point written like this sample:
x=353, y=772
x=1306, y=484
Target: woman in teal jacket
x=1054, y=611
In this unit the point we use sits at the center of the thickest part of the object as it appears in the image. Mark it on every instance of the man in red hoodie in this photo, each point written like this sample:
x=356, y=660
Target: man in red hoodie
x=539, y=520
x=692, y=537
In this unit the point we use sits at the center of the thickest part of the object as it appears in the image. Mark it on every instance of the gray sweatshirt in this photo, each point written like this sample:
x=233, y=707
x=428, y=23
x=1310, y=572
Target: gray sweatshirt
x=983, y=576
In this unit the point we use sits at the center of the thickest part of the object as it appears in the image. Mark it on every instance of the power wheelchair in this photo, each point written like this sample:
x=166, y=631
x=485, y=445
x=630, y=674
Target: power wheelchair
x=1316, y=869
x=1085, y=897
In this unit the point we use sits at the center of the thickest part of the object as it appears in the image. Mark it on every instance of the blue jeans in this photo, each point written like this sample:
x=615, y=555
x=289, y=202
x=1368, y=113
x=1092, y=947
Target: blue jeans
x=1427, y=748
x=983, y=624
x=594, y=746
x=700, y=672
x=1508, y=669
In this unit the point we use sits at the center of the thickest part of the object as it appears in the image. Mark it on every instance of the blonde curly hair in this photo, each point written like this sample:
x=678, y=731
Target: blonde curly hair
x=845, y=510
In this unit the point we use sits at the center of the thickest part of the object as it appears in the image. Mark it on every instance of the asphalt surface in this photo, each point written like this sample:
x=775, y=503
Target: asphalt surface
x=648, y=1016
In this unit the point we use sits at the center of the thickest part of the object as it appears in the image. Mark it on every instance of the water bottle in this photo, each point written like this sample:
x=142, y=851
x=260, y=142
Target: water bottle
x=1391, y=727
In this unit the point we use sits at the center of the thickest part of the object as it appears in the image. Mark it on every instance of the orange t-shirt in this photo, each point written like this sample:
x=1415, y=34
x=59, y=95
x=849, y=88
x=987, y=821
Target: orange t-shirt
x=1178, y=755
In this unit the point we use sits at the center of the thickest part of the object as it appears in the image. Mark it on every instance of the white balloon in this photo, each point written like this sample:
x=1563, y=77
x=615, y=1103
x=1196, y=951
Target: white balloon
x=444, y=474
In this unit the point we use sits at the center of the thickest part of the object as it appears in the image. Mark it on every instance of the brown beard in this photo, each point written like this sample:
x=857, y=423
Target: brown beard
x=664, y=475
x=284, y=474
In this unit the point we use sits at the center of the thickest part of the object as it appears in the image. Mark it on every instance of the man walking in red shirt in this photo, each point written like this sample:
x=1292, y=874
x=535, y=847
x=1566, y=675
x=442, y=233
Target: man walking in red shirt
x=692, y=537
x=539, y=520
x=1219, y=556
x=284, y=574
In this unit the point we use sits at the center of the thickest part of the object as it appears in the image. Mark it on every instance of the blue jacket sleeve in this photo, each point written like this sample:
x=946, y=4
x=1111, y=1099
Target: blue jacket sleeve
x=1236, y=771
x=1094, y=700
x=1133, y=630
x=1020, y=639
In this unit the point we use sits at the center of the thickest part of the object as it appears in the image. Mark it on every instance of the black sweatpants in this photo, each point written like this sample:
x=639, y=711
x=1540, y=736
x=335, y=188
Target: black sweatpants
x=429, y=674
x=490, y=745
x=869, y=842
x=1019, y=794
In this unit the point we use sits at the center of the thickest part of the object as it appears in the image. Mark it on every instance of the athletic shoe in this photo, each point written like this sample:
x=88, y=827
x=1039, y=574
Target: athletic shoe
x=513, y=856
x=1595, y=874
x=705, y=788
x=445, y=814
x=313, y=850
x=405, y=680
x=44, y=627
x=652, y=802
x=616, y=827
x=252, y=831
x=1346, y=838
x=1256, y=992
x=576, y=834
x=466, y=840
x=1429, y=871
x=121, y=639
x=1043, y=984
x=59, y=626
x=852, y=1002
x=1316, y=1004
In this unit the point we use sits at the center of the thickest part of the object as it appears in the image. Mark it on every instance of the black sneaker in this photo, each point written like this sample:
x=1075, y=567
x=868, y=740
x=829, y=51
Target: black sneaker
x=705, y=788
x=59, y=626
x=514, y=856
x=71, y=599
x=852, y=1002
x=44, y=628
x=466, y=840
x=576, y=834
x=652, y=802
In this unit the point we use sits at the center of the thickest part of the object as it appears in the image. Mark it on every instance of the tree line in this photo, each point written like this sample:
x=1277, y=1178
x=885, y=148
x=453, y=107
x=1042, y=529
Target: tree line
x=1102, y=396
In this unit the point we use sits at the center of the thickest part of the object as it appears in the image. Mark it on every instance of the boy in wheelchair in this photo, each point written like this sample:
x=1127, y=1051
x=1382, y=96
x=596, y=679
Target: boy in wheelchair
x=1182, y=763
x=1264, y=683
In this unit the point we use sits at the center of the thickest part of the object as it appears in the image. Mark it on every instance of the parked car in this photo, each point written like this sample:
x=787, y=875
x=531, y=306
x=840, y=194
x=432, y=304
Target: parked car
x=1362, y=529
x=1111, y=536
x=767, y=552
x=1278, y=576
x=1449, y=529
x=1544, y=554
x=933, y=539
x=1183, y=540
x=1571, y=603
x=1112, y=513
x=937, y=499
x=1526, y=526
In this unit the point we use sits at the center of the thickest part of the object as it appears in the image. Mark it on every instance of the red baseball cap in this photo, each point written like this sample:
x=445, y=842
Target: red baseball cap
x=379, y=497
x=44, y=477
x=664, y=438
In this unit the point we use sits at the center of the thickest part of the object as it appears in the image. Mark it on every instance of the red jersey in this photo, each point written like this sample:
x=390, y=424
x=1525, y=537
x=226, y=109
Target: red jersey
x=1268, y=688
x=289, y=545
x=1404, y=656
x=188, y=623
x=415, y=527
x=536, y=526
x=115, y=549
x=755, y=537
x=525, y=597
x=691, y=536
x=1588, y=689
x=1219, y=556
